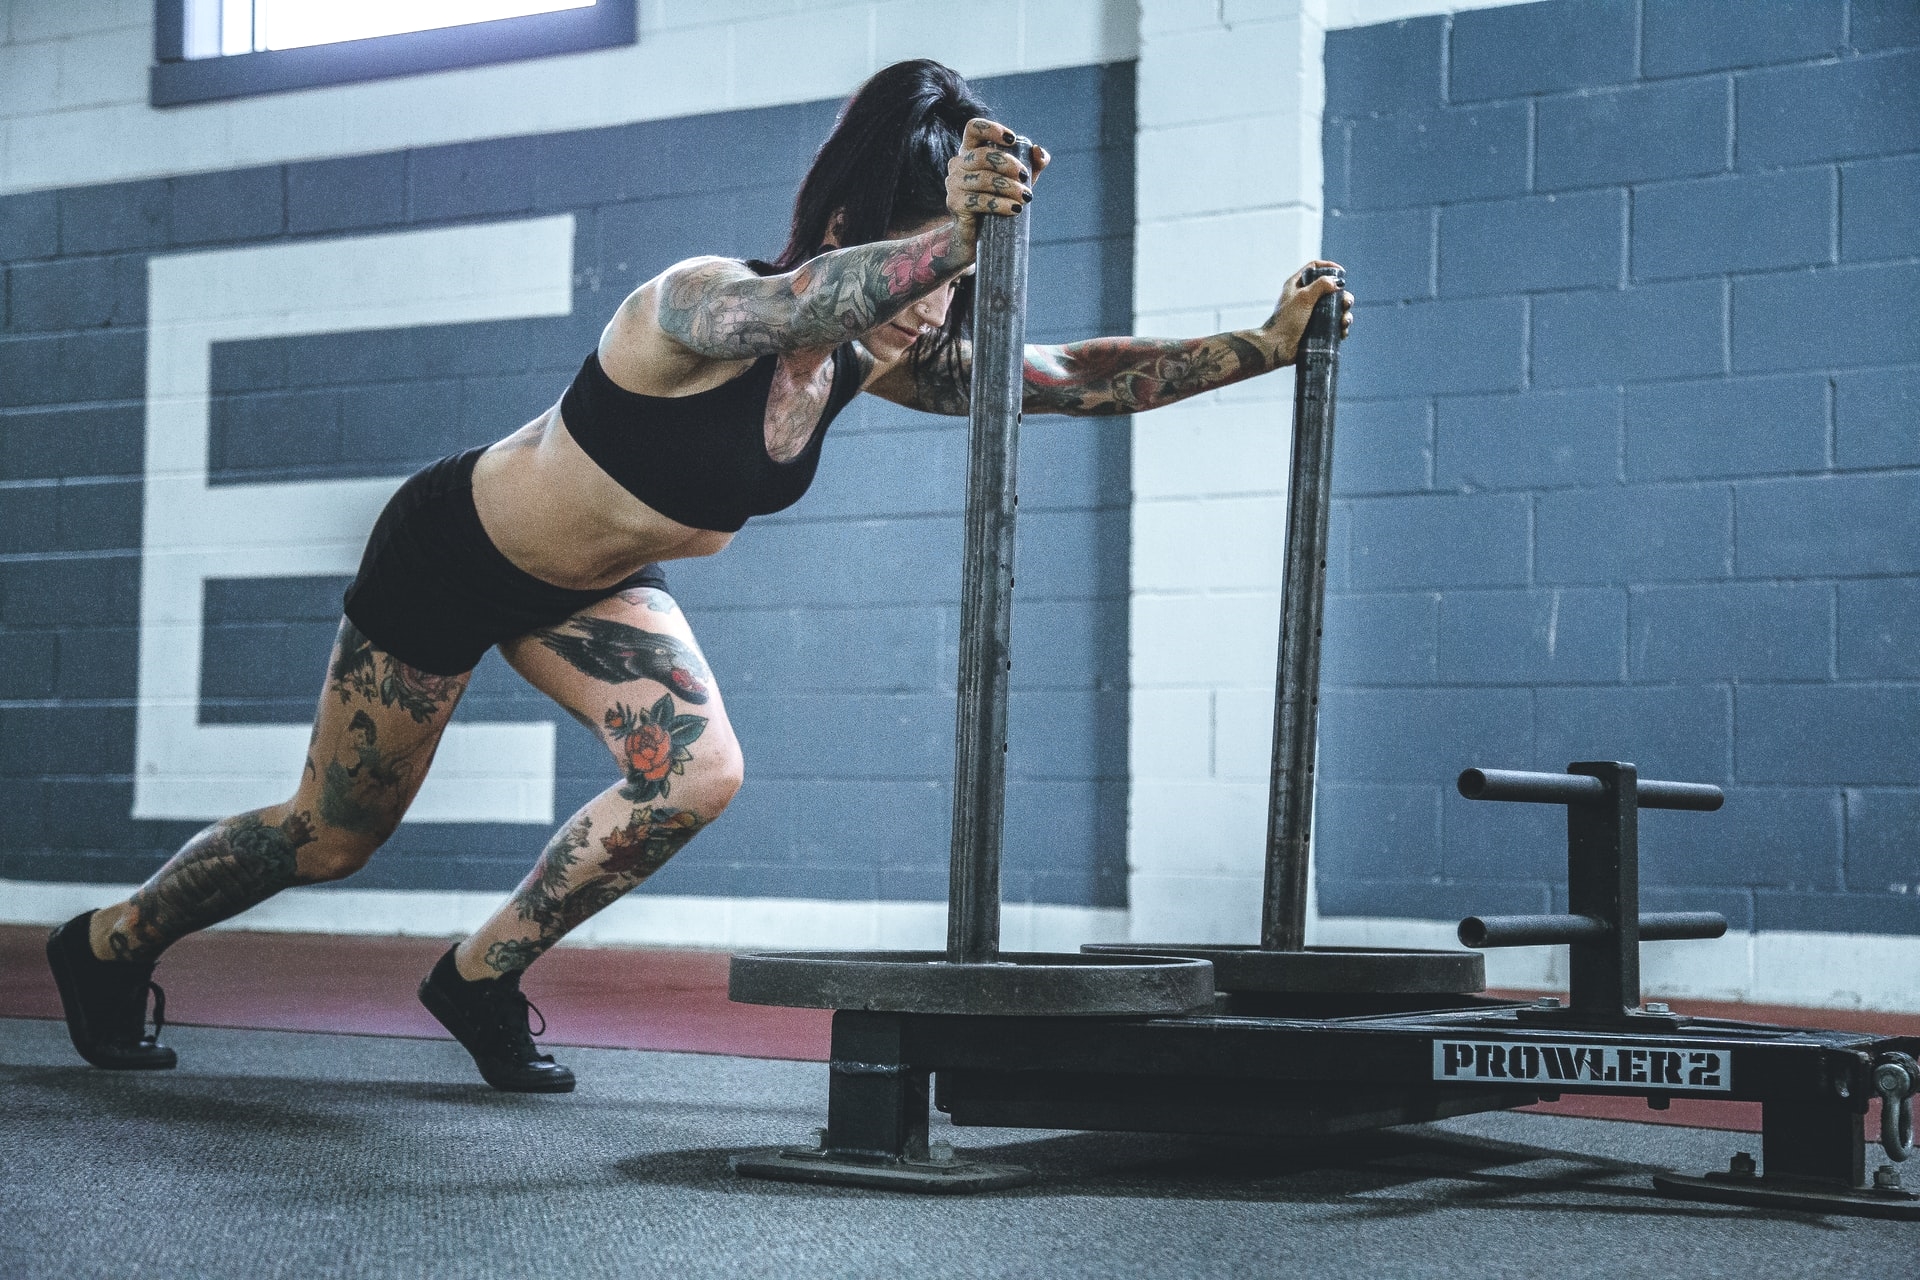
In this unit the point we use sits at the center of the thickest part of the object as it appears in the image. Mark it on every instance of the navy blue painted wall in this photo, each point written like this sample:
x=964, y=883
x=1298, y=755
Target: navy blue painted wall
x=832, y=627
x=1629, y=464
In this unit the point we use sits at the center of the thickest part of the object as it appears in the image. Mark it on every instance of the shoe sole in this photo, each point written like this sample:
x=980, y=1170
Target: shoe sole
x=448, y=1016
x=77, y=1029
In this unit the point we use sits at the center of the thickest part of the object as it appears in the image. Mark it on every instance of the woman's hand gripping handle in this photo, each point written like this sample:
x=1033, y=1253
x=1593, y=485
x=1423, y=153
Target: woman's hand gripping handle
x=986, y=179
x=1283, y=330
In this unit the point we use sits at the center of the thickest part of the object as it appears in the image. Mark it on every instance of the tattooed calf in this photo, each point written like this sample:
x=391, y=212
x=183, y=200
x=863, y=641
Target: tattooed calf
x=222, y=871
x=565, y=888
x=358, y=673
x=539, y=897
x=650, y=837
x=616, y=653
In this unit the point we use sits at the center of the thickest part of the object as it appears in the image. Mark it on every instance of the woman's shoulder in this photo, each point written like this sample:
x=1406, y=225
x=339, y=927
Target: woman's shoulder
x=693, y=286
x=643, y=348
x=708, y=268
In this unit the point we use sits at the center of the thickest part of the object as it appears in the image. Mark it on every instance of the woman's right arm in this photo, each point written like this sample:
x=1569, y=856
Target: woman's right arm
x=718, y=308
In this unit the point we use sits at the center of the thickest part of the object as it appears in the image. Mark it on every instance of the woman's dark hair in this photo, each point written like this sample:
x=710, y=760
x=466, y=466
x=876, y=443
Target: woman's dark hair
x=884, y=170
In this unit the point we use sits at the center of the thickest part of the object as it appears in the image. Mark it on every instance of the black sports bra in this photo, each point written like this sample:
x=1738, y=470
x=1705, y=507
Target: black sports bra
x=700, y=459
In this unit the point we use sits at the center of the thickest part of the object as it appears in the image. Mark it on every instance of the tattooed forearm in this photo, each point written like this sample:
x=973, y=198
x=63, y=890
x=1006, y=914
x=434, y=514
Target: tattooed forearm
x=1132, y=375
x=360, y=670
x=619, y=654
x=573, y=880
x=1103, y=375
x=227, y=868
x=719, y=309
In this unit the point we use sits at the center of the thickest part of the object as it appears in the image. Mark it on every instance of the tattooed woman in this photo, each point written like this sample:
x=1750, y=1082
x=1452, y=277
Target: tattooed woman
x=704, y=404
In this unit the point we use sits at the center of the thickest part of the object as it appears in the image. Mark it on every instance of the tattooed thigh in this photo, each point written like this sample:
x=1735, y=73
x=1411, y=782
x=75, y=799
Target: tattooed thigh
x=615, y=652
x=361, y=670
x=380, y=721
x=633, y=674
x=368, y=790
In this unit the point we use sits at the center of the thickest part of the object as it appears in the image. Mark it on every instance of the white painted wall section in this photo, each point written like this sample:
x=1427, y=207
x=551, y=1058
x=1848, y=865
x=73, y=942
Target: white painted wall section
x=1228, y=191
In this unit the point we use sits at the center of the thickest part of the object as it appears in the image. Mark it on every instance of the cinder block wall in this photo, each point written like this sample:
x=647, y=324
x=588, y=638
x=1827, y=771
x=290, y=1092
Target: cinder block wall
x=832, y=628
x=1629, y=461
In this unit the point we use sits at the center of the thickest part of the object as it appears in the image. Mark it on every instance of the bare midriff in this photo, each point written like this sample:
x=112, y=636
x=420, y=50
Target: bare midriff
x=554, y=513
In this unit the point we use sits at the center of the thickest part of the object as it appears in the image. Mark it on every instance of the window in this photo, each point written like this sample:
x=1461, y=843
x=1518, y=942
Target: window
x=211, y=49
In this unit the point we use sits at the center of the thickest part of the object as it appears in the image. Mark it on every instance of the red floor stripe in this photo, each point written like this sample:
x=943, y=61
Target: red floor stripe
x=617, y=998
x=628, y=998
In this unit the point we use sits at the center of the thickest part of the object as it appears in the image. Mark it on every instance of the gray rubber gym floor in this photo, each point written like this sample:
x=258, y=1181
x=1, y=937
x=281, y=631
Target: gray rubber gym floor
x=279, y=1154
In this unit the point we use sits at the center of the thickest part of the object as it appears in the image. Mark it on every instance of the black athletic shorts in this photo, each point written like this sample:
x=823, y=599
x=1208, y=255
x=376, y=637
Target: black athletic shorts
x=435, y=592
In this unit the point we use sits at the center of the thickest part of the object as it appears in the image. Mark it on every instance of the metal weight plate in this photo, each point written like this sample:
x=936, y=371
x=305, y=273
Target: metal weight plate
x=1017, y=984
x=1325, y=970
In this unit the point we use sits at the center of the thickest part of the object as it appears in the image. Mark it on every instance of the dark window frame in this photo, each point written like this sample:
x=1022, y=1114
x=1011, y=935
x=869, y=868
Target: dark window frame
x=177, y=80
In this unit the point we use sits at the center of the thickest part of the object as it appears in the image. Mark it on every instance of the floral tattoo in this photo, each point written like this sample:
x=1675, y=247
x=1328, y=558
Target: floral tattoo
x=362, y=671
x=654, y=746
x=513, y=955
x=721, y=309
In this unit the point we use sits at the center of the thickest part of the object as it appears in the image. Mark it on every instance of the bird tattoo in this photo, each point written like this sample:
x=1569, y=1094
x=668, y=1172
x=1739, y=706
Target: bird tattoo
x=619, y=654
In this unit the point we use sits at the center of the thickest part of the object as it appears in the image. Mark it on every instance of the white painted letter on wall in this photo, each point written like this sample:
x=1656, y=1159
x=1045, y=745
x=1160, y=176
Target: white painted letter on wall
x=194, y=530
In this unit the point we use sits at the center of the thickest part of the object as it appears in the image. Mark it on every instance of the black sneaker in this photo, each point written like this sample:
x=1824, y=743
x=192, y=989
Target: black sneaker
x=490, y=1018
x=106, y=1002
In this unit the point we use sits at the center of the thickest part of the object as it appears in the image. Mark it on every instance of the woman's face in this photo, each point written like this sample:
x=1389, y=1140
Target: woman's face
x=892, y=340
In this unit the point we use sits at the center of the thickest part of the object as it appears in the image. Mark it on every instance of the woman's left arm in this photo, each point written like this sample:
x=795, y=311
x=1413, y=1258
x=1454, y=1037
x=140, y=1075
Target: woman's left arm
x=1131, y=375
x=1127, y=375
